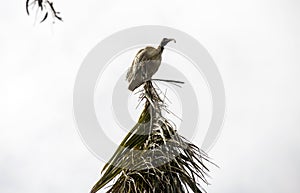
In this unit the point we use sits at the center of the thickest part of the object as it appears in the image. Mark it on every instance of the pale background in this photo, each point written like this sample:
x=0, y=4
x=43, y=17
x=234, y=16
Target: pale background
x=255, y=44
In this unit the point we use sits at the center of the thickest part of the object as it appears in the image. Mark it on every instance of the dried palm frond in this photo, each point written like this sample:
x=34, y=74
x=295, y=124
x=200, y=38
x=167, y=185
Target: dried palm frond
x=153, y=157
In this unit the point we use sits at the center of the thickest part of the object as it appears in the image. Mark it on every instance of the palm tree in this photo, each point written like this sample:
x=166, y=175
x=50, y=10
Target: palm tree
x=153, y=157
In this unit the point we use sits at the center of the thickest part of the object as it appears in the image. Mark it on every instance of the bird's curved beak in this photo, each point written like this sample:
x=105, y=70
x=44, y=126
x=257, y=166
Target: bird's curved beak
x=169, y=40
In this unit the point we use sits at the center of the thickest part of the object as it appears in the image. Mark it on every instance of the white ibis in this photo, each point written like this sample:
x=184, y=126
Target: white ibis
x=145, y=64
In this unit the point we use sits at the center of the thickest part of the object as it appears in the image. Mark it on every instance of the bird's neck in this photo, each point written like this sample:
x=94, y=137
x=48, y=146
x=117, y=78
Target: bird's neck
x=161, y=48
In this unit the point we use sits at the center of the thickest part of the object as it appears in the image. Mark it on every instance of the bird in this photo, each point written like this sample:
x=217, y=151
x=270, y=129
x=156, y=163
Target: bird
x=145, y=64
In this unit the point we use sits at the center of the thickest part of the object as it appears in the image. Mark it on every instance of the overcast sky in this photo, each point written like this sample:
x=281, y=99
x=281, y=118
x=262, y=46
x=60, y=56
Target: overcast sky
x=255, y=44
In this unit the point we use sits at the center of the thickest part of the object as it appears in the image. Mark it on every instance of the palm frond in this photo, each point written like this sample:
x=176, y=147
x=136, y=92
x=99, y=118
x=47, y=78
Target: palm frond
x=154, y=158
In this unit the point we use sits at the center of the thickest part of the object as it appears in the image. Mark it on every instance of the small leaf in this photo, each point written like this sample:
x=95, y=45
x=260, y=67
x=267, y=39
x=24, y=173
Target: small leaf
x=27, y=5
x=59, y=18
x=45, y=17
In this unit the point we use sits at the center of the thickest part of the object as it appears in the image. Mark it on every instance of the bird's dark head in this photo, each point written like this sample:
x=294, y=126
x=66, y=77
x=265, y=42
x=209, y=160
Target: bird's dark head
x=165, y=41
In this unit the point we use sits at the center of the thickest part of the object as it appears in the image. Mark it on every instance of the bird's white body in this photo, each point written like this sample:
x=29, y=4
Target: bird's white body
x=144, y=66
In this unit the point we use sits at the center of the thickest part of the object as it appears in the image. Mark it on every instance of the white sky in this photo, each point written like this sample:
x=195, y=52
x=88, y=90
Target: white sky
x=255, y=44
